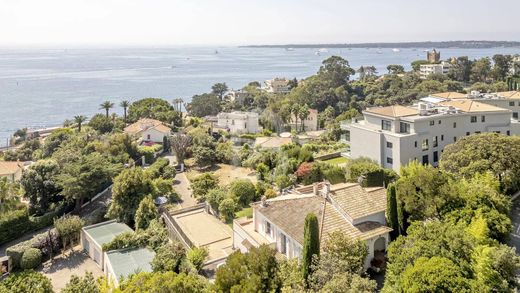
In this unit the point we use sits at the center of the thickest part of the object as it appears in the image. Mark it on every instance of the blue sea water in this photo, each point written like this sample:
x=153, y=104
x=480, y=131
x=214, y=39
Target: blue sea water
x=43, y=87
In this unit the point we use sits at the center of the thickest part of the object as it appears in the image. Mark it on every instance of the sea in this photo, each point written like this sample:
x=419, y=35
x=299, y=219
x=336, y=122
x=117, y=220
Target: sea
x=44, y=87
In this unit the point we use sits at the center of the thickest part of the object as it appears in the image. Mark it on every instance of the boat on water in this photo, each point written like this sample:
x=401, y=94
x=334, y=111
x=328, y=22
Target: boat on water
x=379, y=52
x=289, y=49
x=216, y=52
x=317, y=53
x=396, y=50
x=323, y=50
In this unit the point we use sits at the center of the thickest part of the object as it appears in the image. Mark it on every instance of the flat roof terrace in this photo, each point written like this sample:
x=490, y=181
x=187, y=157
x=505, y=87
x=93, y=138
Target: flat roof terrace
x=205, y=230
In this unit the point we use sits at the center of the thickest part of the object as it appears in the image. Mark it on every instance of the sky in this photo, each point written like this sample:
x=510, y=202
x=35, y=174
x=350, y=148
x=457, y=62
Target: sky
x=28, y=23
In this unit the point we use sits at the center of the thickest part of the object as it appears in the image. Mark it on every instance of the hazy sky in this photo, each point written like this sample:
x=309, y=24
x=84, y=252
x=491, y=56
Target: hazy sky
x=236, y=22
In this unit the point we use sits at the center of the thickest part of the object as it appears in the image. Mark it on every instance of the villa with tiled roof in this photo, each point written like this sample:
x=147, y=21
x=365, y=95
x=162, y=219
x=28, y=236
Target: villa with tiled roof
x=148, y=130
x=347, y=207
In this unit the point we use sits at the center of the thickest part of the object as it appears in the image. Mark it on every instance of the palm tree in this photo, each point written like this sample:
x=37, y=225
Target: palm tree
x=79, y=119
x=125, y=105
x=303, y=113
x=107, y=105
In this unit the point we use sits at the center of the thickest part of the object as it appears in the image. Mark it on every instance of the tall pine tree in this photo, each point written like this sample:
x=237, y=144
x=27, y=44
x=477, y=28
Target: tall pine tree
x=311, y=243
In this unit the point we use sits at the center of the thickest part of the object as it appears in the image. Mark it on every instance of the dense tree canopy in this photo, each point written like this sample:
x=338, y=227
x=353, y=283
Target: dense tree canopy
x=479, y=153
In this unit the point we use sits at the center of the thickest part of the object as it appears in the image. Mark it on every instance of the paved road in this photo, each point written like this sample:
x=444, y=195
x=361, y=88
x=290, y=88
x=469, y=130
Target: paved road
x=515, y=218
x=182, y=186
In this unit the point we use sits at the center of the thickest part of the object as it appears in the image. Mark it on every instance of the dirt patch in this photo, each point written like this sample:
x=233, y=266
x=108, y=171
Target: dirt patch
x=226, y=173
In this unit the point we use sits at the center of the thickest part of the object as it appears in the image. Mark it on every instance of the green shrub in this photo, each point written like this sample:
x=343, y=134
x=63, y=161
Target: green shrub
x=31, y=259
x=13, y=224
x=197, y=256
x=149, y=152
x=26, y=281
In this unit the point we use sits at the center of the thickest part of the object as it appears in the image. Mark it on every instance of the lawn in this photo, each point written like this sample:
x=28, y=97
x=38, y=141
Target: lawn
x=337, y=161
x=245, y=212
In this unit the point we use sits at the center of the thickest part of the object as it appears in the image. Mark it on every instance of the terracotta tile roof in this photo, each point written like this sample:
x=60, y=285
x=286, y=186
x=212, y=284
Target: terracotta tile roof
x=8, y=168
x=288, y=212
x=472, y=106
x=510, y=95
x=144, y=124
x=450, y=95
x=358, y=202
x=393, y=111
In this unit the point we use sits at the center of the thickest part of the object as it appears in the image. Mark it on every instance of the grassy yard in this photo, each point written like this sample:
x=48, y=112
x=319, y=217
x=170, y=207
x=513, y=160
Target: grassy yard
x=245, y=212
x=337, y=161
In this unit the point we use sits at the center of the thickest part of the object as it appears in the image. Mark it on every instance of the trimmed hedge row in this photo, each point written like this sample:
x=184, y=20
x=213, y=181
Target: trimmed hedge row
x=18, y=222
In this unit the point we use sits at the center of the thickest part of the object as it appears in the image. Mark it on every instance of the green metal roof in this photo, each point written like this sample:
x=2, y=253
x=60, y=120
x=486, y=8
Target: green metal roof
x=104, y=232
x=129, y=261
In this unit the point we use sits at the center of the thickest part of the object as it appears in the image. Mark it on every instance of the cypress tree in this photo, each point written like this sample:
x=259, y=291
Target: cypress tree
x=311, y=243
x=391, y=211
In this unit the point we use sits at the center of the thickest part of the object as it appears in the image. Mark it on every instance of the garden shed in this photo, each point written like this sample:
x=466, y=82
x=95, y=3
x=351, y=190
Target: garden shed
x=94, y=236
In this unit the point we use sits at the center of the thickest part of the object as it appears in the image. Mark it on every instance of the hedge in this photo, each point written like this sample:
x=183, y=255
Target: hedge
x=31, y=259
x=18, y=222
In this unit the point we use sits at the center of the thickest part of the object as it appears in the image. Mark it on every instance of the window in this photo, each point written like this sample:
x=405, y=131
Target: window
x=442, y=137
x=511, y=103
x=404, y=127
x=477, y=132
x=454, y=124
x=389, y=145
x=148, y=136
x=425, y=160
x=467, y=133
x=435, y=142
x=283, y=243
x=515, y=115
x=508, y=132
x=267, y=228
x=415, y=144
x=389, y=160
x=439, y=122
x=473, y=119
x=435, y=157
x=454, y=139
x=386, y=125
x=233, y=122
x=483, y=119
x=424, y=144
x=432, y=123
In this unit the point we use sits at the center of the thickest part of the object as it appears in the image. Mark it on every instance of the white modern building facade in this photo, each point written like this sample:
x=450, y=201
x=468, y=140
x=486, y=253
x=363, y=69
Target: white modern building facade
x=238, y=122
x=427, y=69
x=395, y=135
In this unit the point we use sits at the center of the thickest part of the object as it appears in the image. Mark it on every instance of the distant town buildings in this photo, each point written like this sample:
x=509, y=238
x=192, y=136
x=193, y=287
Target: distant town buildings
x=347, y=207
x=395, y=135
x=309, y=124
x=238, y=122
x=148, y=130
x=277, y=85
x=433, y=56
x=426, y=70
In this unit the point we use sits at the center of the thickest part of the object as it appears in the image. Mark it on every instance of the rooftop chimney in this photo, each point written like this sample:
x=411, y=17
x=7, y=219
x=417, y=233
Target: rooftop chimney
x=315, y=188
x=263, y=201
x=326, y=189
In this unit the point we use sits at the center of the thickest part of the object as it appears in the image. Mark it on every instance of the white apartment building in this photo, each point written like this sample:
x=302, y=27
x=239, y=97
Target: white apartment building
x=507, y=100
x=347, y=207
x=427, y=69
x=395, y=135
x=238, y=122
x=277, y=85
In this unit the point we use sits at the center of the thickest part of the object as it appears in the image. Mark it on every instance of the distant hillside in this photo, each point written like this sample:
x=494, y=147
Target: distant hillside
x=446, y=44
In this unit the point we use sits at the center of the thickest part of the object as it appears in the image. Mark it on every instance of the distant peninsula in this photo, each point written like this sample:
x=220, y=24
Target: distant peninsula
x=428, y=44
